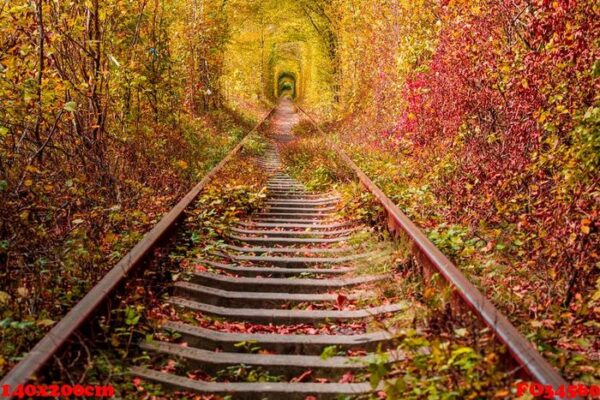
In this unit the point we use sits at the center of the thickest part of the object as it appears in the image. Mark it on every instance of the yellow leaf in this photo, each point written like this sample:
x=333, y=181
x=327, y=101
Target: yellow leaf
x=110, y=237
x=429, y=293
x=45, y=322
x=28, y=182
x=4, y=297
x=182, y=164
x=542, y=118
x=585, y=225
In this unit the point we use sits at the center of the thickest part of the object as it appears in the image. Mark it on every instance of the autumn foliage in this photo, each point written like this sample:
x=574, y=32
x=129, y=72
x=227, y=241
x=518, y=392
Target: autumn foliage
x=105, y=121
x=480, y=119
x=519, y=116
x=486, y=116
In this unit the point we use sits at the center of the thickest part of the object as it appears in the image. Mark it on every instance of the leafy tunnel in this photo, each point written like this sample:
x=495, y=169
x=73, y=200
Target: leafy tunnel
x=286, y=85
x=278, y=48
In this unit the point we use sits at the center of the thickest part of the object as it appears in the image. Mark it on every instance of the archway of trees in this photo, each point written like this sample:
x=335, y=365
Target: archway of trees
x=286, y=85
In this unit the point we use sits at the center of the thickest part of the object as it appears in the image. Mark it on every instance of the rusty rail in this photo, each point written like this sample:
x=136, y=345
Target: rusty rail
x=526, y=356
x=61, y=332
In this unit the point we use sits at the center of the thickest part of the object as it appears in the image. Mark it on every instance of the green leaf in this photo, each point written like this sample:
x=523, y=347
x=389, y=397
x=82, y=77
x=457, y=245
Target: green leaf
x=329, y=352
x=3, y=186
x=70, y=106
x=596, y=69
x=132, y=317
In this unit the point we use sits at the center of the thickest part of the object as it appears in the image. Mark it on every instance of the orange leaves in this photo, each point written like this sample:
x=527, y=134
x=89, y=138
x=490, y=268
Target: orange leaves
x=585, y=225
x=181, y=164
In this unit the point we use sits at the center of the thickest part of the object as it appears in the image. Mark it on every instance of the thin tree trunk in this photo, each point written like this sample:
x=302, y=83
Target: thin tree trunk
x=40, y=76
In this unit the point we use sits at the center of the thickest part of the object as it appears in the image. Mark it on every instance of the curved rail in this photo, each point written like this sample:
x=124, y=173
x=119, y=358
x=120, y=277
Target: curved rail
x=526, y=356
x=58, y=335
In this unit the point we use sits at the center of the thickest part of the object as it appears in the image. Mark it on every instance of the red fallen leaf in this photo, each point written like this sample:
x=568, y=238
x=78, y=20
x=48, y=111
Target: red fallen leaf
x=201, y=268
x=341, y=300
x=348, y=377
x=302, y=377
x=137, y=382
x=170, y=367
x=310, y=398
x=357, y=353
x=199, y=375
x=381, y=395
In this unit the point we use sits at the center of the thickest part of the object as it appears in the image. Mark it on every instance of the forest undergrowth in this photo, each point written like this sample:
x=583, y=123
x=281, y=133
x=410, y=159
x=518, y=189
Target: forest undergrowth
x=64, y=231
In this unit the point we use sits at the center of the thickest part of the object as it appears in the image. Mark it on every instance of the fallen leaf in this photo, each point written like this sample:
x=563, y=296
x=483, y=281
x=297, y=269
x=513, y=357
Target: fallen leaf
x=302, y=377
x=348, y=377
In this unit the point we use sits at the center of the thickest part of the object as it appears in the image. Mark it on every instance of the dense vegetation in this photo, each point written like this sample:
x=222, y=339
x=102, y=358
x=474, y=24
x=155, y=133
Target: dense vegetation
x=480, y=118
x=105, y=120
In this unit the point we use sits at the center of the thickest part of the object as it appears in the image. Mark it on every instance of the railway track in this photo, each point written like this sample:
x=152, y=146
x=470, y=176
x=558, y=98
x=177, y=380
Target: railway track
x=293, y=230
x=272, y=268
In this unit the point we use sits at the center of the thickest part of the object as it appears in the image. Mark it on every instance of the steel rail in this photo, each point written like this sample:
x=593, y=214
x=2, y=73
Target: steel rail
x=35, y=359
x=522, y=350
